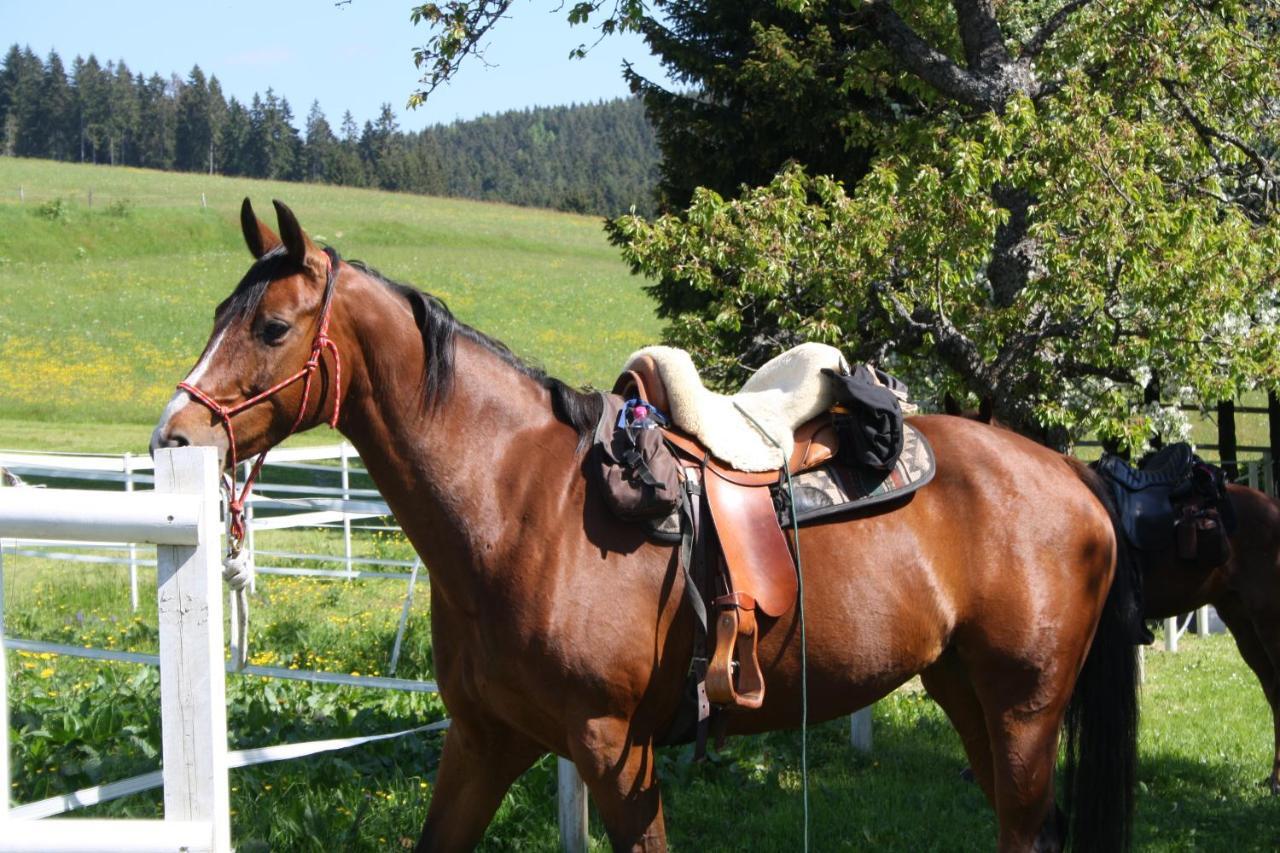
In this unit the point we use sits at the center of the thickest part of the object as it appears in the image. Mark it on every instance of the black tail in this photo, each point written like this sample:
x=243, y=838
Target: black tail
x=1102, y=718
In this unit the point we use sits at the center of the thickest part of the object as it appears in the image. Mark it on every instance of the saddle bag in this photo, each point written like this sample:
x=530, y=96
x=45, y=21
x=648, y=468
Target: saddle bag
x=636, y=471
x=871, y=432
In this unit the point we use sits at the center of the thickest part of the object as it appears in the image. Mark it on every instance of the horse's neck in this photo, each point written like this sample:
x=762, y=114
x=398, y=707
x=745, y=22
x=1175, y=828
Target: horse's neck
x=447, y=472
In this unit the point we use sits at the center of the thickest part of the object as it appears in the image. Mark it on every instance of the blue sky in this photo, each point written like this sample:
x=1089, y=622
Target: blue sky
x=354, y=56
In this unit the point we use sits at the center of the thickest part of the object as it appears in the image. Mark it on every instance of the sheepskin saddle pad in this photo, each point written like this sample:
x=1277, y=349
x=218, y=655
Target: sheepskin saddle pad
x=752, y=430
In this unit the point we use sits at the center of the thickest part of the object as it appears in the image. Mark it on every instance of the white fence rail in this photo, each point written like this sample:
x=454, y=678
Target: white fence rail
x=36, y=521
x=182, y=519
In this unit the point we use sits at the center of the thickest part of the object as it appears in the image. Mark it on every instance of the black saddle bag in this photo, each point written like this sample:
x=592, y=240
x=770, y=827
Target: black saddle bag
x=871, y=434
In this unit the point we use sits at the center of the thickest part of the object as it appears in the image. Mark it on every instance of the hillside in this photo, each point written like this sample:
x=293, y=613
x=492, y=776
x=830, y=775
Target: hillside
x=104, y=308
x=597, y=158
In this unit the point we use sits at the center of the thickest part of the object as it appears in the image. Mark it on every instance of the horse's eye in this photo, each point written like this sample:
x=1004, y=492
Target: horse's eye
x=273, y=331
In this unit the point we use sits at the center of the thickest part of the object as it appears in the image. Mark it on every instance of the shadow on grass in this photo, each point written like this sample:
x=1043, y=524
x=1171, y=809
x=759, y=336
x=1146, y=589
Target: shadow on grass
x=1190, y=804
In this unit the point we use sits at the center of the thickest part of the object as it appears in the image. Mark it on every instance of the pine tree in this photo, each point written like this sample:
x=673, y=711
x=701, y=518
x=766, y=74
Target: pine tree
x=122, y=126
x=217, y=123
x=321, y=145
x=57, y=111
x=156, y=120
x=193, y=131
x=94, y=109
x=234, y=143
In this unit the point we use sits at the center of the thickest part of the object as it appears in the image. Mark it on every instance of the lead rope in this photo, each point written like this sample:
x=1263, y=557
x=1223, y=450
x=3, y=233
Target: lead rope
x=804, y=663
x=237, y=571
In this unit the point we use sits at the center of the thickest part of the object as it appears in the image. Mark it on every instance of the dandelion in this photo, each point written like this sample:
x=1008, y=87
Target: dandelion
x=47, y=672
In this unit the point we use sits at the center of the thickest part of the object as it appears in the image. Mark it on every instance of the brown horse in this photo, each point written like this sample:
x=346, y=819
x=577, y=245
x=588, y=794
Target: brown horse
x=558, y=628
x=1245, y=592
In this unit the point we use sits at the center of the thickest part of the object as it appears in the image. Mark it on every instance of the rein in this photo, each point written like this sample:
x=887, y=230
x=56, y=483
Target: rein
x=235, y=503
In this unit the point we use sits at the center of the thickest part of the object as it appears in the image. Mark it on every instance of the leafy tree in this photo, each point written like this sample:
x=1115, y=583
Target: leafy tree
x=759, y=86
x=1068, y=205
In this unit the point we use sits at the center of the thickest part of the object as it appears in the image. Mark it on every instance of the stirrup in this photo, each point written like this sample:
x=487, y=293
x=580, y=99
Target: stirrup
x=736, y=631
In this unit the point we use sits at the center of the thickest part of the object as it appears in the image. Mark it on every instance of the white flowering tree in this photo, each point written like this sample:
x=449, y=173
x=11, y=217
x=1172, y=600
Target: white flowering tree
x=1069, y=207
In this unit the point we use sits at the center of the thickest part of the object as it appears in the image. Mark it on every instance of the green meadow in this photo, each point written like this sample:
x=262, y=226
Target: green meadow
x=109, y=278
x=1205, y=738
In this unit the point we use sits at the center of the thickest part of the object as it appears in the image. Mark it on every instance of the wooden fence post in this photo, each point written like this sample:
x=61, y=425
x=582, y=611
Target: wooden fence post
x=572, y=808
x=1273, y=440
x=1171, y=634
x=192, y=679
x=1227, y=452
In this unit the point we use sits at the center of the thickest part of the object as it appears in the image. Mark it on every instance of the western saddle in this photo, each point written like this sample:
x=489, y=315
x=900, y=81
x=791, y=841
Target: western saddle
x=753, y=569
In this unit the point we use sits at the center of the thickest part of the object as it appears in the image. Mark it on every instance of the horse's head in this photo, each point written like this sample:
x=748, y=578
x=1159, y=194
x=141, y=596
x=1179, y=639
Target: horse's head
x=264, y=372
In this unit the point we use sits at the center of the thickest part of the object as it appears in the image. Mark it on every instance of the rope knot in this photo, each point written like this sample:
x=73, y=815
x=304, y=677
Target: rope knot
x=237, y=571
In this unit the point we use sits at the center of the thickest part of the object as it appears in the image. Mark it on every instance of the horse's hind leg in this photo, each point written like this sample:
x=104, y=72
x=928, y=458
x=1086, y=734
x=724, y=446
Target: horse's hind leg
x=619, y=772
x=1012, y=749
x=478, y=765
x=1262, y=654
x=950, y=687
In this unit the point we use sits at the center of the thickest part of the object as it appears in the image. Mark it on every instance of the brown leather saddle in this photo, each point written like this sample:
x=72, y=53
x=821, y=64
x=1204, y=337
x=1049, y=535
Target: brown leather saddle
x=757, y=572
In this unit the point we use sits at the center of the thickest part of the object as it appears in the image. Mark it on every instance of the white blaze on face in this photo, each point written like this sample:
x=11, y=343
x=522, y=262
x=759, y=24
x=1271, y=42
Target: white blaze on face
x=181, y=398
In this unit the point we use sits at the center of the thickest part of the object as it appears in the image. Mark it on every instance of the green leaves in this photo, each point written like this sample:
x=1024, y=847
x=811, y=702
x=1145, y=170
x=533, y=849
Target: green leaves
x=1108, y=228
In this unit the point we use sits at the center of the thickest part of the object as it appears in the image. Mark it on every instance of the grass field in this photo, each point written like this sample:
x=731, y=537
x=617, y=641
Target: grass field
x=104, y=308
x=1204, y=746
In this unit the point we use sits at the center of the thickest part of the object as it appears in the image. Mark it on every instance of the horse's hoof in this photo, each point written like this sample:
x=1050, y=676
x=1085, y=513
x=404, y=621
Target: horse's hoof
x=966, y=775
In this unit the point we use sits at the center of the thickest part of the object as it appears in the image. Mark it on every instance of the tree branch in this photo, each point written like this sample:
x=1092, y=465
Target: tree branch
x=984, y=47
x=927, y=62
x=462, y=25
x=1207, y=131
x=1035, y=45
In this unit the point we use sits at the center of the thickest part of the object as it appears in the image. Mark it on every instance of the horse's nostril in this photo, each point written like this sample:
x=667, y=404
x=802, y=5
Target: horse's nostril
x=177, y=439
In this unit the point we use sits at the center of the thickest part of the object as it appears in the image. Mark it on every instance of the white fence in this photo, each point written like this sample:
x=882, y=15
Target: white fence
x=181, y=519
x=37, y=522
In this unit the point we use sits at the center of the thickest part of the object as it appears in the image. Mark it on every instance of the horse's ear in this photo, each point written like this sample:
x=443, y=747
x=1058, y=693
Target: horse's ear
x=257, y=236
x=950, y=404
x=296, y=242
x=986, y=410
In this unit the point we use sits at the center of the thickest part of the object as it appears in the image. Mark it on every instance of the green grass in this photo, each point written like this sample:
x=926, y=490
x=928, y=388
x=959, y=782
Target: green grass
x=104, y=308
x=1204, y=747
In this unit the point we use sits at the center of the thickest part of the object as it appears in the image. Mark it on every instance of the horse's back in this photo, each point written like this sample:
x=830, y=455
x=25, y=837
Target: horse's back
x=1006, y=541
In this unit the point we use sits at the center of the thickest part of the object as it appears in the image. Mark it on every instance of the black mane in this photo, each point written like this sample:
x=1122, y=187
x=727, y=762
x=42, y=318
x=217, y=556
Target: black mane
x=579, y=409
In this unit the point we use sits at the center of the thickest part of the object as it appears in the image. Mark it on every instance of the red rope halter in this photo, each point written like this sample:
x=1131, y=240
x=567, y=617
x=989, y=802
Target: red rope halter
x=235, y=503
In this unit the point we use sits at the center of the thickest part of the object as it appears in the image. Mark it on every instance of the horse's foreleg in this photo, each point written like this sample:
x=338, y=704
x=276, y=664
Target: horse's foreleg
x=1258, y=640
x=477, y=767
x=618, y=770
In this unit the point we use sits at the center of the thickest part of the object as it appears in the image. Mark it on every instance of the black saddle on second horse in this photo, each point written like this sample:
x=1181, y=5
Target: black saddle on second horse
x=1172, y=489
